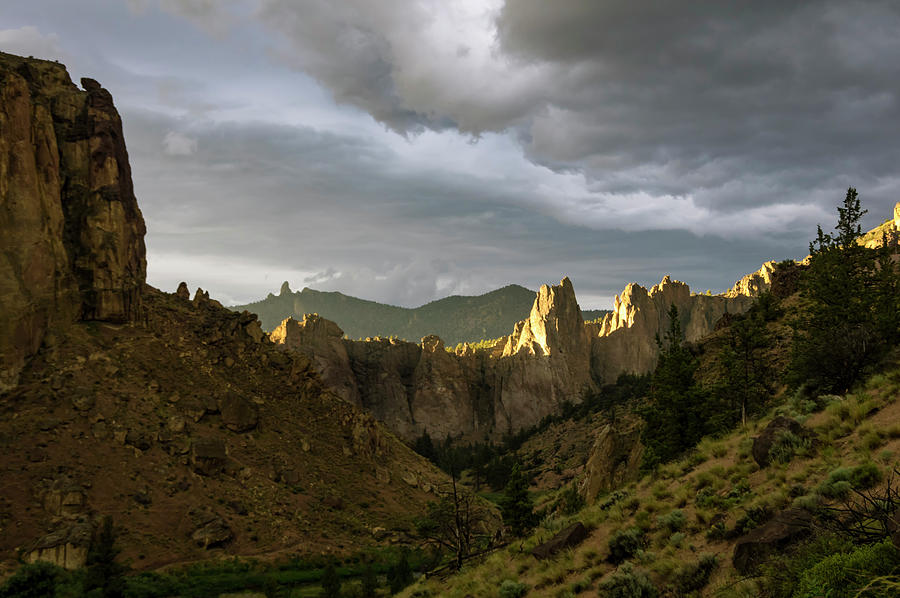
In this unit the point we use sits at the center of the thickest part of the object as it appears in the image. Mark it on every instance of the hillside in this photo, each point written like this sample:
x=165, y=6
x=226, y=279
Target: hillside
x=175, y=417
x=764, y=509
x=455, y=319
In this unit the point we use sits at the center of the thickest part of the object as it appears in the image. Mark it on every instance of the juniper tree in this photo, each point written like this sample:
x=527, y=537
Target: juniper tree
x=676, y=409
x=516, y=504
x=849, y=315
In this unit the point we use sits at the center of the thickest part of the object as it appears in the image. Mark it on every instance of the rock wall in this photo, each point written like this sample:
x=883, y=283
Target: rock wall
x=71, y=233
x=550, y=358
x=625, y=341
x=417, y=387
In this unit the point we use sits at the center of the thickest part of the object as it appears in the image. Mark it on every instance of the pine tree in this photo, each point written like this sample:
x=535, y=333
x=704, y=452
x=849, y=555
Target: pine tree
x=516, y=504
x=747, y=374
x=331, y=583
x=369, y=582
x=103, y=572
x=400, y=574
x=849, y=316
x=676, y=412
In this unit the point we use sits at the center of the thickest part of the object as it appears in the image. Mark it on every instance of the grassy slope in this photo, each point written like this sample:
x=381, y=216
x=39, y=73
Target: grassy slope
x=854, y=429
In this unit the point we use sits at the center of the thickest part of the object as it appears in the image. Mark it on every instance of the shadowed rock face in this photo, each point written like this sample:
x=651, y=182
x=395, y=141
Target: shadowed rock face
x=71, y=233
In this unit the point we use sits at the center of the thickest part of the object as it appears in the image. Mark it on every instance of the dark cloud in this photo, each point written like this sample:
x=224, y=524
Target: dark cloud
x=606, y=141
x=734, y=106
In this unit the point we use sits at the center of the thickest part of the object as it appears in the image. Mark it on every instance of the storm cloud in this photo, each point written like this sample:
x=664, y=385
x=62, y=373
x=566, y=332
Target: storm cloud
x=401, y=151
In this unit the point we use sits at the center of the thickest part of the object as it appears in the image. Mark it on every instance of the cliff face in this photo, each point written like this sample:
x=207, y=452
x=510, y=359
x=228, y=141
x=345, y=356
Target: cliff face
x=551, y=357
x=71, y=233
x=418, y=387
x=625, y=341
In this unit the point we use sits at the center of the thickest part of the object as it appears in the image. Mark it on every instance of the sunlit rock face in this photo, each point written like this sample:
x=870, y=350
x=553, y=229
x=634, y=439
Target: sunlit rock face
x=550, y=358
x=625, y=341
x=321, y=341
x=423, y=387
x=71, y=233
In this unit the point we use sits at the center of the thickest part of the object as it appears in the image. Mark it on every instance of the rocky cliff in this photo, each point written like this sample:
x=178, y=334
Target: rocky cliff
x=71, y=233
x=551, y=357
x=625, y=341
x=192, y=430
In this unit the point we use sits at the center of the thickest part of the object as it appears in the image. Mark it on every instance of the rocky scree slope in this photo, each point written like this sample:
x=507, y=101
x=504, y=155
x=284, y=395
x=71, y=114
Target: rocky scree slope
x=175, y=416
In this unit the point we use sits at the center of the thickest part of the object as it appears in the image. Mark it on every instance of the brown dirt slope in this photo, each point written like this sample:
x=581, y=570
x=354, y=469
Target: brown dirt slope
x=191, y=428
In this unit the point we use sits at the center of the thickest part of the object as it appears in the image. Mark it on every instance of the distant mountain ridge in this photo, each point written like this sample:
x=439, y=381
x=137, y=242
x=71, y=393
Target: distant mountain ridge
x=455, y=319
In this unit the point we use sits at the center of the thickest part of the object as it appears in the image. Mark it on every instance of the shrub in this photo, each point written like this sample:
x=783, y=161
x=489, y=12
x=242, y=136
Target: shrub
x=676, y=539
x=843, y=479
x=512, y=589
x=32, y=581
x=787, y=444
x=695, y=576
x=624, y=544
x=628, y=583
x=844, y=575
x=673, y=521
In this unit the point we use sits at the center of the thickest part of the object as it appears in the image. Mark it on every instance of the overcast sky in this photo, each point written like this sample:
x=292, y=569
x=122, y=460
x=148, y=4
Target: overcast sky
x=402, y=150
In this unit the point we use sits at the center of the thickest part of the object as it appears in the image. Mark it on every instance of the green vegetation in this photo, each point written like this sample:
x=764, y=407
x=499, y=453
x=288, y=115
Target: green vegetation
x=703, y=406
x=307, y=577
x=516, y=504
x=850, y=317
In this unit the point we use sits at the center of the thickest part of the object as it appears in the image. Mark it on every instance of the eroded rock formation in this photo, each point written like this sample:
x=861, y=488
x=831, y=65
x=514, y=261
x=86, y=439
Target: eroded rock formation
x=71, y=233
x=550, y=358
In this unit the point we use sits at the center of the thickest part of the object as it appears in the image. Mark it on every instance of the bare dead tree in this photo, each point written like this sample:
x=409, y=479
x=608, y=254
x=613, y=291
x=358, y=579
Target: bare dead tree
x=865, y=516
x=456, y=522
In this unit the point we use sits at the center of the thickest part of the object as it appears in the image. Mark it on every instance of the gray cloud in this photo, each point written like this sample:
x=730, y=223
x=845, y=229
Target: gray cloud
x=599, y=140
x=733, y=107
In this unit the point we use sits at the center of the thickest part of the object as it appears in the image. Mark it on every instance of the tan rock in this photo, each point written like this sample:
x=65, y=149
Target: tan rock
x=321, y=341
x=73, y=250
x=615, y=458
x=66, y=547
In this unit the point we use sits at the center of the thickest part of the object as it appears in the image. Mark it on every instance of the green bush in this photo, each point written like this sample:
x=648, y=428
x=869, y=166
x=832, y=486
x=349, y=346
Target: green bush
x=628, y=583
x=695, y=576
x=624, y=544
x=842, y=480
x=32, y=581
x=787, y=444
x=674, y=521
x=512, y=589
x=843, y=575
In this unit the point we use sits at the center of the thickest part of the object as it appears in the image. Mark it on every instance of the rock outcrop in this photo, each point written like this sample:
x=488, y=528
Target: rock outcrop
x=615, y=458
x=552, y=357
x=418, y=387
x=71, y=233
x=625, y=341
x=776, y=432
x=322, y=342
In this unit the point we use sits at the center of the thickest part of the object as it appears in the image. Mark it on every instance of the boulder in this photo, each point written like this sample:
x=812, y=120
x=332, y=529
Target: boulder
x=754, y=548
x=209, y=529
x=615, y=458
x=66, y=547
x=209, y=456
x=238, y=414
x=777, y=428
x=571, y=536
x=64, y=498
x=183, y=291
